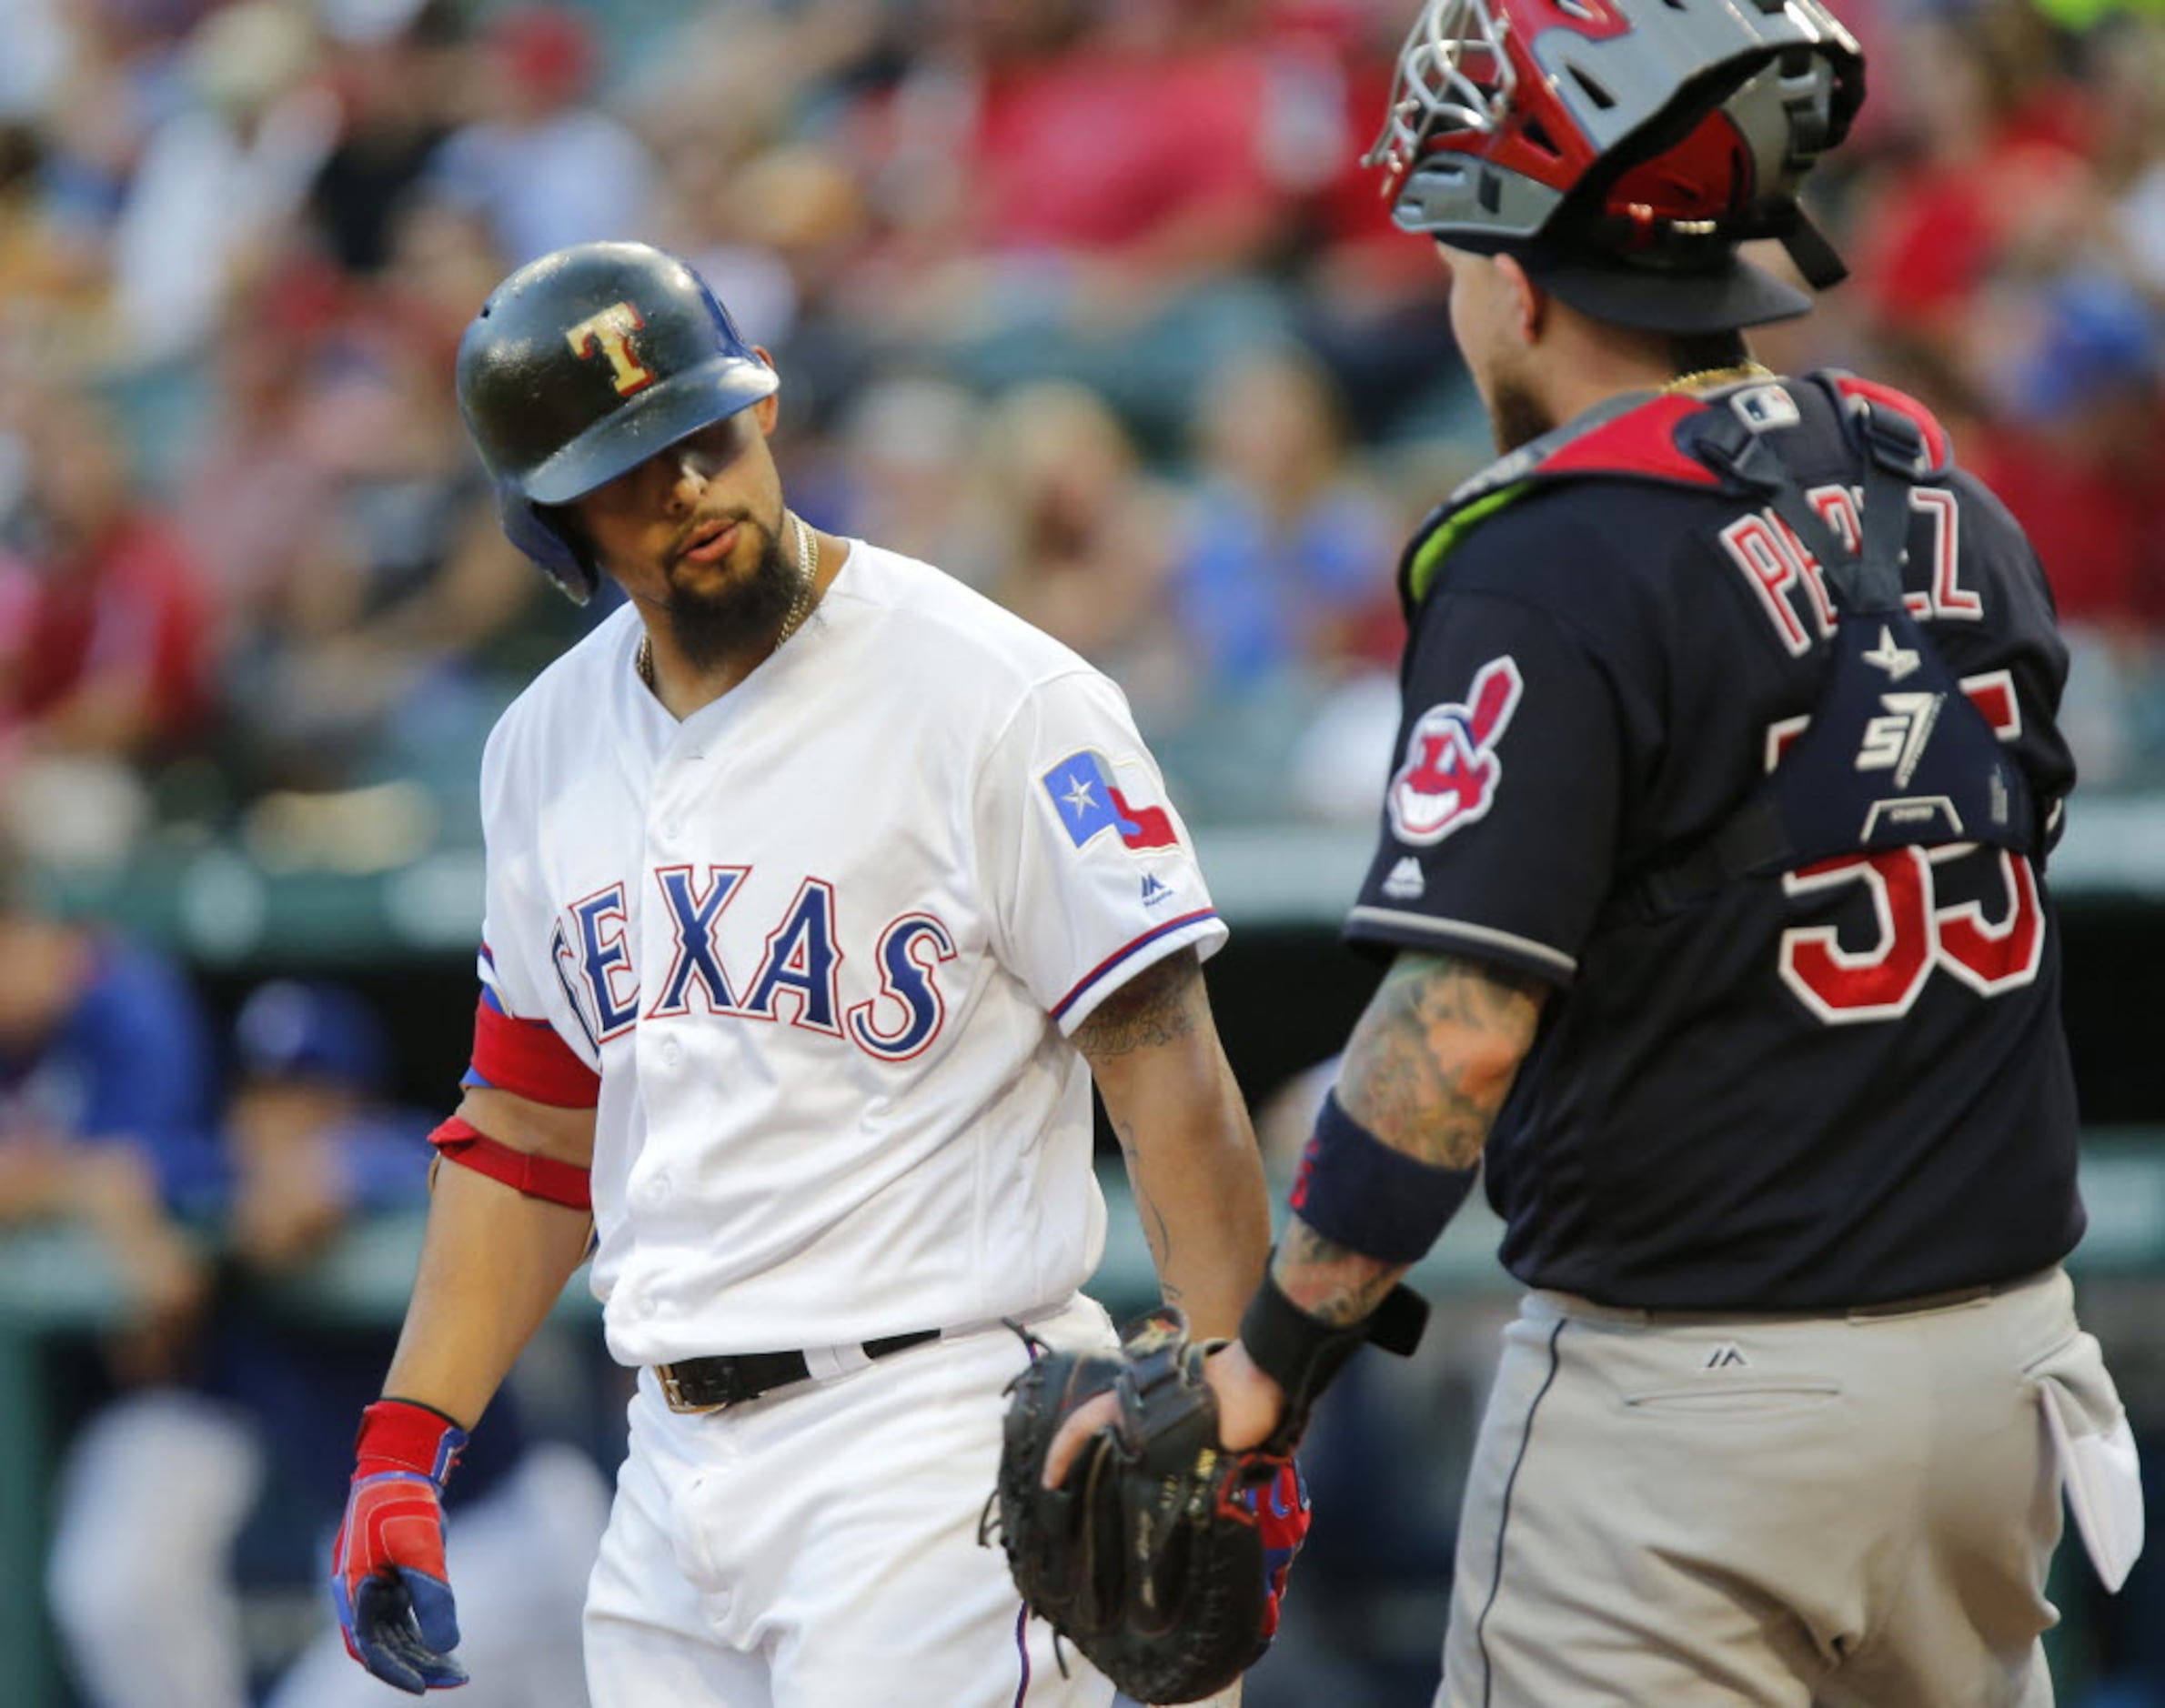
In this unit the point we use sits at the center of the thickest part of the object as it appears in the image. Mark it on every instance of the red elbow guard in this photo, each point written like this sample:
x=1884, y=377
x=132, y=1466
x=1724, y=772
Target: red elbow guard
x=534, y=1176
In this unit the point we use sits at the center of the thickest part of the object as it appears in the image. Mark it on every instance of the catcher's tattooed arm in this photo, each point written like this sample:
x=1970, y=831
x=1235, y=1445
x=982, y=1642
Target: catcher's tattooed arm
x=1184, y=1129
x=1428, y=1066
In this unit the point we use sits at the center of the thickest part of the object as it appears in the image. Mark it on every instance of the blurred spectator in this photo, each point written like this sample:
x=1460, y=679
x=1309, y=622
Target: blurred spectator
x=1285, y=551
x=360, y=653
x=1087, y=192
x=924, y=208
x=251, y=486
x=1283, y=562
x=160, y=1486
x=121, y=78
x=766, y=214
x=111, y=666
x=2130, y=60
x=116, y=658
x=391, y=76
x=539, y=164
x=1998, y=170
x=107, y=1106
x=1369, y=299
x=2073, y=451
x=2074, y=448
x=1082, y=538
x=37, y=55
x=910, y=462
x=219, y=178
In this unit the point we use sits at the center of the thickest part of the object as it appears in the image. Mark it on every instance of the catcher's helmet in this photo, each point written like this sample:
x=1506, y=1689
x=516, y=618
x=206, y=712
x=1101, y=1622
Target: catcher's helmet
x=582, y=365
x=1622, y=148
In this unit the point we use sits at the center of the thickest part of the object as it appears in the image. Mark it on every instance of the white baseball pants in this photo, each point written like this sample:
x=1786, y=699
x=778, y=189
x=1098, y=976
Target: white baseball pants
x=818, y=1547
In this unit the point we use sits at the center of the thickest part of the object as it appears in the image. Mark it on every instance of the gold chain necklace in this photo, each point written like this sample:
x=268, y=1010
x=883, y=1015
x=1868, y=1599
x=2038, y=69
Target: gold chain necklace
x=808, y=569
x=1713, y=376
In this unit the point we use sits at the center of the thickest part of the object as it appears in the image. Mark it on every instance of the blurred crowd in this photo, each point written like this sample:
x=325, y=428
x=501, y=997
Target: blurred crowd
x=1087, y=301
x=208, y=1426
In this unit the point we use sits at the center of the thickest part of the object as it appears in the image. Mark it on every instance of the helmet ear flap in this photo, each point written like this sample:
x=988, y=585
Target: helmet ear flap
x=564, y=559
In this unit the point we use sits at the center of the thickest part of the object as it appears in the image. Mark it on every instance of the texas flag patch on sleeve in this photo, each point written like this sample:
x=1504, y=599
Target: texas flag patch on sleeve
x=1090, y=804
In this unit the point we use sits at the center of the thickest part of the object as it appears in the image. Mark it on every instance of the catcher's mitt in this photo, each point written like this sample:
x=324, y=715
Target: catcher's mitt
x=1162, y=1555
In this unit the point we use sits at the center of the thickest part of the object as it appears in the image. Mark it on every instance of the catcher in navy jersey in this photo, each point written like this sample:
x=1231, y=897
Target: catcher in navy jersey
x=1711, y=880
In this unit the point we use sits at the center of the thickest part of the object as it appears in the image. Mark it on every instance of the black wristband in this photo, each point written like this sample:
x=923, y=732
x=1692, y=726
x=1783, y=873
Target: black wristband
x=1302, y=1354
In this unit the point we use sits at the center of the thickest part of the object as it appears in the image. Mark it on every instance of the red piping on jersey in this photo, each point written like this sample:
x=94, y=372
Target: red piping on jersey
x=1118, y=955
x=532, y=1175
x=1643, y=442
x=528, y=1058
x=1937, y=444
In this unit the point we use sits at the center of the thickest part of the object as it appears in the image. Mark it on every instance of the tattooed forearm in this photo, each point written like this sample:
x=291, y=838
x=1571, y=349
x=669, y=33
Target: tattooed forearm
x=1426, y=1069
x=1172, y=1102
x=1156, y=1230
x=1155, y=1007
x=1434, y=1056
x=1329, y=1283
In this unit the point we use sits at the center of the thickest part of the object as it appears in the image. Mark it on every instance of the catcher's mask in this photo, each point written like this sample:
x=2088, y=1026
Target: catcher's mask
x=582, y=365
x=1621, y=149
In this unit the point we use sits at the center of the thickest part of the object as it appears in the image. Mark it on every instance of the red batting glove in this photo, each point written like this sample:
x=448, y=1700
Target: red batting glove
x=388, y=1577
x=1281, y=1508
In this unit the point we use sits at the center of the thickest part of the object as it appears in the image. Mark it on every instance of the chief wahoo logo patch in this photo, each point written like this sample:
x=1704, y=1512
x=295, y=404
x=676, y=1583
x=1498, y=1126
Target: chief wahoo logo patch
x=1451, y=770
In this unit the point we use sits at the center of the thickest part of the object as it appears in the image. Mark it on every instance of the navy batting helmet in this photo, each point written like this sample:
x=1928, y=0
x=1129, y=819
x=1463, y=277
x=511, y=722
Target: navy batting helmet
x=582, y=365
x=1622, y=148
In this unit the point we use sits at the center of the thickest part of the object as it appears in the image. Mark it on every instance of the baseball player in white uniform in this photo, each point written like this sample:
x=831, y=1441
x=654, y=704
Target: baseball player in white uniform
x=818, y=888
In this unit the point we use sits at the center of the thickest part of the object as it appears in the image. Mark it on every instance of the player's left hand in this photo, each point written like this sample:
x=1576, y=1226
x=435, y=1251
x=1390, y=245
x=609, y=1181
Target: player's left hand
x=1271, y=1488
x=387, y=1576
x=1249, y=1407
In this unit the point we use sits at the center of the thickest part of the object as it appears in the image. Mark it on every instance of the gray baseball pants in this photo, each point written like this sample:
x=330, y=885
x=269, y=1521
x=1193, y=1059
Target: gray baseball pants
x=1801, y=1511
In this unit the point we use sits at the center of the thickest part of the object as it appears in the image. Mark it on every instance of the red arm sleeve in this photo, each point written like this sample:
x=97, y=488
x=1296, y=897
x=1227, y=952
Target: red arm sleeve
x=528, y=1059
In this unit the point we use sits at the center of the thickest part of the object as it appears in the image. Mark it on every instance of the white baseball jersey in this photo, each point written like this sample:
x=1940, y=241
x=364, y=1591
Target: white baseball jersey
x=822, y=941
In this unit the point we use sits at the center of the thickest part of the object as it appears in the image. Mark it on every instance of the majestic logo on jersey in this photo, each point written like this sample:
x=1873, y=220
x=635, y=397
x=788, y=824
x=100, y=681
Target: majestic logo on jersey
x=609, y=334
x=1155, y=890
x=1090, y=804
x=1451, y=770
x=1405, y=882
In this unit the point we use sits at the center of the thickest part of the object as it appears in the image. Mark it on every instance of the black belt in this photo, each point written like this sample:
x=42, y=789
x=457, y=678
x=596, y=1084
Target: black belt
x=704, y=1385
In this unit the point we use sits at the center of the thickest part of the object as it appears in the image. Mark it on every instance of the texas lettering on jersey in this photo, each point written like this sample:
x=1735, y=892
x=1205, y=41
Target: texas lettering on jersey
x=1451, y=771
x=799, y=976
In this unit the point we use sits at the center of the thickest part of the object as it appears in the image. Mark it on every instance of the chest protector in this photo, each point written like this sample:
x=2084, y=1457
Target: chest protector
x=1894, y=754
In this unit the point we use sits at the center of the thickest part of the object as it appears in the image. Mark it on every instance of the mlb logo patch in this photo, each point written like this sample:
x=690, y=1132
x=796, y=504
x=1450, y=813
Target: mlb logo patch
x=1451, y=770
x=1082, y=792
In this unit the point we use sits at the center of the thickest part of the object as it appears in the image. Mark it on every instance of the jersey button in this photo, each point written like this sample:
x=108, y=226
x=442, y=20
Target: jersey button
x=673, y=831
x=657, y=1189
x=671, y=1050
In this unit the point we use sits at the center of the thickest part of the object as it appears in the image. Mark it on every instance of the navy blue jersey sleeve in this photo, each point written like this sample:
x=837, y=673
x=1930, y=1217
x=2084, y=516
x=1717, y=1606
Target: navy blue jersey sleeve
x=1499, y=824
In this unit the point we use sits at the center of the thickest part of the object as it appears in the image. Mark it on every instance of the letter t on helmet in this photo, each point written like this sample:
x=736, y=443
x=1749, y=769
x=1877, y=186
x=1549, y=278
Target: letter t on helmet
x=582, y=365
